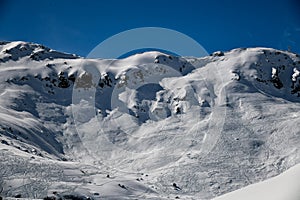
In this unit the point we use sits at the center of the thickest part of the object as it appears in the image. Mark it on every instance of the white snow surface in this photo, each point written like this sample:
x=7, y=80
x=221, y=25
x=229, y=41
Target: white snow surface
x=284, y=186
x=150, y=126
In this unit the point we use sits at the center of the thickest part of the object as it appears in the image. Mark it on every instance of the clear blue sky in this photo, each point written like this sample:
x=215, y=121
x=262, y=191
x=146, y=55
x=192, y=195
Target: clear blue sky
x=77, y=26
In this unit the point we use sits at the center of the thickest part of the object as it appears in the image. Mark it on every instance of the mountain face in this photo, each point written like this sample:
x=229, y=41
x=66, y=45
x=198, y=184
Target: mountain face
x=150, y=126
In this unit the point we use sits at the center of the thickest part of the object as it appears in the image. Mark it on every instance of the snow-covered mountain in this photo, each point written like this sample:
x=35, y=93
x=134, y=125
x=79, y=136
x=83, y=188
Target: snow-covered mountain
x=150, y=126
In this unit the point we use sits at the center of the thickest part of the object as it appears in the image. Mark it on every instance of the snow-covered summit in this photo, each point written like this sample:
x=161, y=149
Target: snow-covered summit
x=17, y=50
x=197, y=127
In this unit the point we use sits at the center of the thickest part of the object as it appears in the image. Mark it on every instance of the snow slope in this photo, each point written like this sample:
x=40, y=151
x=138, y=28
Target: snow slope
x=150, y=126
x=284, y=186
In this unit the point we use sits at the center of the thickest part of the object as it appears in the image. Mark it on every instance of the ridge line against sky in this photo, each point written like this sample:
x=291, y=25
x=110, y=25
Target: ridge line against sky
x=78, y=26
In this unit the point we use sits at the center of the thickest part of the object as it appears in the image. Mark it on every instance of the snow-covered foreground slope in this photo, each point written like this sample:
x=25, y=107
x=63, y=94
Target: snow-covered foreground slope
x=150, y=126
x=284, y=186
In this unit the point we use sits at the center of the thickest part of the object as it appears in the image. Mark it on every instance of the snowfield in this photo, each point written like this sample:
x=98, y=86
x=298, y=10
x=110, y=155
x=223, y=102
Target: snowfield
x=150, y=126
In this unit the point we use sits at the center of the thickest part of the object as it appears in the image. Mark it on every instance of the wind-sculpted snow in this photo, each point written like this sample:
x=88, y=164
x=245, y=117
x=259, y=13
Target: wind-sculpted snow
x=150, y=126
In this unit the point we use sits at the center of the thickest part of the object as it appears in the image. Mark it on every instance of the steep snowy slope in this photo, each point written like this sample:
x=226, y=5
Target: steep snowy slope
x=148, y=126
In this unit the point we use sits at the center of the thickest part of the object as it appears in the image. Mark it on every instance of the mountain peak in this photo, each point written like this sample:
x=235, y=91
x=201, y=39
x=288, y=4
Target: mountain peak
x=17, y=50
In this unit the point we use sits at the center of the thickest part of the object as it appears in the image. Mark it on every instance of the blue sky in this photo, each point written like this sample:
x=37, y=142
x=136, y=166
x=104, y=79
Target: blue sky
x=78, y=26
